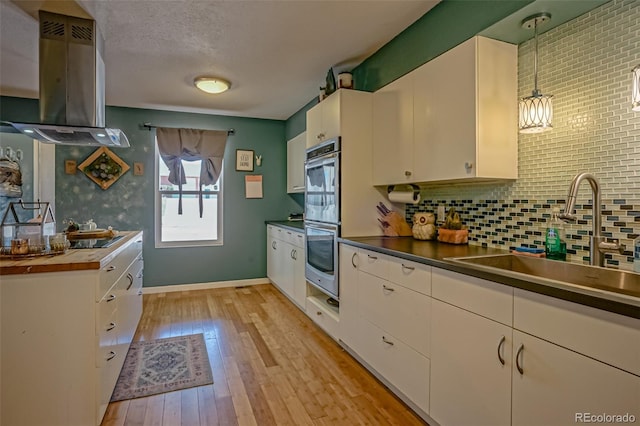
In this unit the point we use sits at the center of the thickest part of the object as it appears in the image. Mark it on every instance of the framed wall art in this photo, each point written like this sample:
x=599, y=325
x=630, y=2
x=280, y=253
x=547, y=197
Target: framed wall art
x=244, y=160
x=103, y=167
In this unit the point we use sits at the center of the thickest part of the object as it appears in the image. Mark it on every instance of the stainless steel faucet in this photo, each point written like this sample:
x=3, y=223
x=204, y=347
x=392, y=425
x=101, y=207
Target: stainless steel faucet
x=598, y=244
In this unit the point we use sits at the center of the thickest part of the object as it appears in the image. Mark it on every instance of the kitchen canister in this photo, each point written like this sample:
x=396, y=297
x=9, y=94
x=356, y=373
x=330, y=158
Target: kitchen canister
x=345, y=80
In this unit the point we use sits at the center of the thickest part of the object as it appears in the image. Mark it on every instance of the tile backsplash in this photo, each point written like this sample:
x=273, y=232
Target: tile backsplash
x=586, y=64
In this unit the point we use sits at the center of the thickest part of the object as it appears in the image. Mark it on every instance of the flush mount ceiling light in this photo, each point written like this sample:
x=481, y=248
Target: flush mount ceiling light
x=536, y=111
x=212, y=84
x=635, y=91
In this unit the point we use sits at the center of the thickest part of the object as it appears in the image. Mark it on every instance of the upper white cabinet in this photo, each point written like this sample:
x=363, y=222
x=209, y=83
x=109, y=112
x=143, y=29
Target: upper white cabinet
x=323, y=120
x=453, y=118
x=296, y=149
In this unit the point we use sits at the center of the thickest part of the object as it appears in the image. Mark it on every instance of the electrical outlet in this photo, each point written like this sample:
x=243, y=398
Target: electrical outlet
x=441, y=213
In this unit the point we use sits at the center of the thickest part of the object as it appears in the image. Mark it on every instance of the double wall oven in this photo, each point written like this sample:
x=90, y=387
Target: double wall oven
x=322, y=216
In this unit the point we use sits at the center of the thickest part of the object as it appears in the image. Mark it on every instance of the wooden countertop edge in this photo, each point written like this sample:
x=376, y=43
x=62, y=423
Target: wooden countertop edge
x=61, y=264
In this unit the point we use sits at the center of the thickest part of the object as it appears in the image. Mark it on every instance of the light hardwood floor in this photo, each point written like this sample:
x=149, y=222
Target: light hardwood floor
x=271, y=366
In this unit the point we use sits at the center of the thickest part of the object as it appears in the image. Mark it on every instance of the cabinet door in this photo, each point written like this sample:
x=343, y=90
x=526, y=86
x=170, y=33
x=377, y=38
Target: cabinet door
x=469, y=383
x=558, y=385
x=295, y=163
x=331, y=114
x=393, y=132
x=445, y=120
x=349, y=322
x=314, y=125
x=299, y=281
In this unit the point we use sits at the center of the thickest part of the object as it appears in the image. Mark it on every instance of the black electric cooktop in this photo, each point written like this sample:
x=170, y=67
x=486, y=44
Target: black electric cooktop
x=95, y=243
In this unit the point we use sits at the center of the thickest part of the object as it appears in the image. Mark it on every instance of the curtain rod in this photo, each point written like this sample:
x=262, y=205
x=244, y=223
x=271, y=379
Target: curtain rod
x=150, y=126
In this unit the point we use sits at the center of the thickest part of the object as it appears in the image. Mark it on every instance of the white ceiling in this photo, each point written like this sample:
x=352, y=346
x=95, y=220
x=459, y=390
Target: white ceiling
x=275, y=53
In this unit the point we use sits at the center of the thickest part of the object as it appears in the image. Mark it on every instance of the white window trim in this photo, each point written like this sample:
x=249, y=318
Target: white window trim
x=157, y=207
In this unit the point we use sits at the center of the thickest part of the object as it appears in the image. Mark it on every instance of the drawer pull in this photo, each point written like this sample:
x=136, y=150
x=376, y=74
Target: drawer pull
x=353, y=258
x=372, y=257
x=111, y=326
x=111, y=355
x=500, y=358
x=410, y=268
x=518, y=366
x=318, y=313
x=110, y=268
x=293, y=254
x=273, y=245
x=389, y=289
x=388, y=342
x=130, y=277
x=111, y=298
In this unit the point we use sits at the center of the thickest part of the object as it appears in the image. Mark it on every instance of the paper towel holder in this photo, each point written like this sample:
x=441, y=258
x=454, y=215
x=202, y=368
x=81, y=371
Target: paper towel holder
x=416, y=190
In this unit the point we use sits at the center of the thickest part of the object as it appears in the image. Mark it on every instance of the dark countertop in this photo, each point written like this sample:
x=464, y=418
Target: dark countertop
x=434, y=253
x=296, y=225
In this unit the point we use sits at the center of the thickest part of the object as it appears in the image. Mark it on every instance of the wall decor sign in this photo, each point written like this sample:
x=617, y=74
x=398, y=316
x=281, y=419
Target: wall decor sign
x=244, y=160
x=103, y=167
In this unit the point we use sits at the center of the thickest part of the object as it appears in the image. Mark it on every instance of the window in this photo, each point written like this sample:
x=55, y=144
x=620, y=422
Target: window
x=187, y=229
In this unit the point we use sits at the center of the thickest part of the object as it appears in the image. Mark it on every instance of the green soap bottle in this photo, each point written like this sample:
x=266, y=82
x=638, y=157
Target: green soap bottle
x=555, y=242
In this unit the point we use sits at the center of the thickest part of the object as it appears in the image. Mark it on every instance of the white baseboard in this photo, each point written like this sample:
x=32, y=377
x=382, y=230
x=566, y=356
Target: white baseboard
x=204, y=286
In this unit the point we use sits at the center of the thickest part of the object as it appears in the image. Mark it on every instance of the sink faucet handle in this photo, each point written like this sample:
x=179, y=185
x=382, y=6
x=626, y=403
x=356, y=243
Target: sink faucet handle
x=567, y=217
x=611, y=246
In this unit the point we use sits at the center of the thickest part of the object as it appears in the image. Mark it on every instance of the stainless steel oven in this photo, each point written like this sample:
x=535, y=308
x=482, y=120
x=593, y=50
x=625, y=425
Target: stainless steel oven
x=322, y=216
x=321, y=267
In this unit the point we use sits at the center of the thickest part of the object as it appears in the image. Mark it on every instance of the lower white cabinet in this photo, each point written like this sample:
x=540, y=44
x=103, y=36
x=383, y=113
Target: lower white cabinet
x=65, y=336
x=555, y=386
x=285, y=262
x=470, y=368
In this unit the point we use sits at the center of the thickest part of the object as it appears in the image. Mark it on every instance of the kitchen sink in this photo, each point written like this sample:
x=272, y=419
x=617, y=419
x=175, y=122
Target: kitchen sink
x=557, y=273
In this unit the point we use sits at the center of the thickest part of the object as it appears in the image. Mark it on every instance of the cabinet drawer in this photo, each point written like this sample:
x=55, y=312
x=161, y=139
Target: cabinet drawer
x=412, y=275
x=397, y=310
x=485, y=298
x=402, y=366
x=323, y=316
x=374, y=263
x=297, y=239
x=106, y=329
x=611, y=338
x=110, y=273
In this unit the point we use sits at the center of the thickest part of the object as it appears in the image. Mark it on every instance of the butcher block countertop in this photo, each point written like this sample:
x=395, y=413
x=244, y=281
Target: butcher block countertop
x=72, y=260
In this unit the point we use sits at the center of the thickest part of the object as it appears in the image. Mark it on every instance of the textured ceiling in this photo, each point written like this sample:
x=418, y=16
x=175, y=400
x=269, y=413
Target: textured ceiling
x=275, y=53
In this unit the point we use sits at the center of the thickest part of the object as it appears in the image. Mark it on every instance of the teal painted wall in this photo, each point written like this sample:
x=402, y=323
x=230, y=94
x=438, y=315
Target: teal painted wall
x=128, y=204
x=297, y=123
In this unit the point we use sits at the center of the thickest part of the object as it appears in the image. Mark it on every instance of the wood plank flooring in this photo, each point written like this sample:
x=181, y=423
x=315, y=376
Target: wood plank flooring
x=271, y=366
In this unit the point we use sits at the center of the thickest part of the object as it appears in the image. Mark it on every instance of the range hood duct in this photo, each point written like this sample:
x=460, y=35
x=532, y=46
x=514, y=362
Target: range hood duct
x=72, y=103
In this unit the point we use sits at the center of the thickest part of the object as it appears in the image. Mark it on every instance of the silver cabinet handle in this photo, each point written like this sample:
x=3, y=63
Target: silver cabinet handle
x=353, y=257
x=407, y=173
x=273, y=245
x=320, y=136
x=410, y=268
x=111, y=298
x=385, y=288
x=293, y=254
x=372, y=257
x=139, y=292
x=111, y=355
x=130, y=277
x=110, y=268
x=518, y=366
x=388, y=342
x=318, y=313
x=500, y=358
x=111, y=326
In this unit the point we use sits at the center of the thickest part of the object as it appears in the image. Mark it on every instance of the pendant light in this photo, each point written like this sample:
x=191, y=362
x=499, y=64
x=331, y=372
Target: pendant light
x=635, y=91
x=536, y=111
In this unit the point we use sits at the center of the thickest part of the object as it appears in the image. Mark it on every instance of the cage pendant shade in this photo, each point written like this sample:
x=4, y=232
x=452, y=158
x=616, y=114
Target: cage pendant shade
x=635, y=93
x=535, y=111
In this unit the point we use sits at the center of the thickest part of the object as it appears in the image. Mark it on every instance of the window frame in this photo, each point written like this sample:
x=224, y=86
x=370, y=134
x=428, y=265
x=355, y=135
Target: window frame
x=157, y=206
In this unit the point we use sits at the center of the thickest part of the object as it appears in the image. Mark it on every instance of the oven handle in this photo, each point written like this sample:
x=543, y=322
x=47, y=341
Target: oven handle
x=323, y=226
x=320, y=161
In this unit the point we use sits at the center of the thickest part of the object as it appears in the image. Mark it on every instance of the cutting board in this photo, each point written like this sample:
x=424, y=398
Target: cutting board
x=92, y=234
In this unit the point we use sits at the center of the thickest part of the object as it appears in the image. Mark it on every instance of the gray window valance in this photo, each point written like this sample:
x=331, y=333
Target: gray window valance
x=176, y=145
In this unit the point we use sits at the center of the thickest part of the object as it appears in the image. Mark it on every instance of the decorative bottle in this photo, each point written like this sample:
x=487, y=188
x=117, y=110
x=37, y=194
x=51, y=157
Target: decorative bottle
x=555, y=242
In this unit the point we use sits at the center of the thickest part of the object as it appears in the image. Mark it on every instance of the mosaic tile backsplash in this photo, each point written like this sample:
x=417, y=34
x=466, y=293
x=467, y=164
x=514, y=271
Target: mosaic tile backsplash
x=586, y=65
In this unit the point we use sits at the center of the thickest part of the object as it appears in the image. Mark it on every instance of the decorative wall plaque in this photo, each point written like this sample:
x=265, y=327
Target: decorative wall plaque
x=103, y=167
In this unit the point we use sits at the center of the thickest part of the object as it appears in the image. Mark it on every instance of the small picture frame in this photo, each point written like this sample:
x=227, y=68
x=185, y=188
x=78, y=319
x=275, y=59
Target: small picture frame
x=244, y=160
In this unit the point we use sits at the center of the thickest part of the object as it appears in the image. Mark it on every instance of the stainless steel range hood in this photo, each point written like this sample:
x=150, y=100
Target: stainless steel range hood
x=72, y=105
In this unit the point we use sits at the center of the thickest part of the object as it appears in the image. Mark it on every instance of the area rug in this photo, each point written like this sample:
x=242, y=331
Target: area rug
x=163, y=365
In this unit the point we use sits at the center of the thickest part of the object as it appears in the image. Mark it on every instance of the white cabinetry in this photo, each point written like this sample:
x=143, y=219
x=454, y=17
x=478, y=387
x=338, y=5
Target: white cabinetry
x=571, y=360
x=385, y=319
x=452, y=118
x=285, y=262
x=64, y=339
x=471, y=350
x=348, y=113
x=296, y=149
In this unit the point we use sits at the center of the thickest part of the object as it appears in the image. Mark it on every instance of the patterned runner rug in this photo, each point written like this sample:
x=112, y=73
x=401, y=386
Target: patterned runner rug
x=163, y=365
